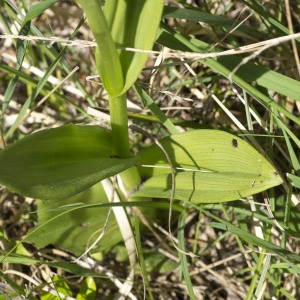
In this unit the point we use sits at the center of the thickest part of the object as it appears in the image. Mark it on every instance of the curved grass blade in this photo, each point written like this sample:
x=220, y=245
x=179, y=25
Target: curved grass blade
x=37, y=9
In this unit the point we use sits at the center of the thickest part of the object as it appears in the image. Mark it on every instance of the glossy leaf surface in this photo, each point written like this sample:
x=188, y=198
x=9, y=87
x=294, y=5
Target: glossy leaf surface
x=60, y=162
x=211, y=166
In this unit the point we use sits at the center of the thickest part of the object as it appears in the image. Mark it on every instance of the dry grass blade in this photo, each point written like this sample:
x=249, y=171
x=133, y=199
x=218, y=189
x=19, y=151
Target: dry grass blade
x=128, y=236
x=256, y=47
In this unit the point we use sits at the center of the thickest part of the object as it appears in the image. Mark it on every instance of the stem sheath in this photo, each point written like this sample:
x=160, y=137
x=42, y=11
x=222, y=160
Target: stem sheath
x=119, y=125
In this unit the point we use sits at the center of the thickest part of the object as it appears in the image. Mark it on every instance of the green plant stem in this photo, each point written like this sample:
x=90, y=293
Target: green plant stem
x=119, y=125
x=110, y=71
x=256, y=275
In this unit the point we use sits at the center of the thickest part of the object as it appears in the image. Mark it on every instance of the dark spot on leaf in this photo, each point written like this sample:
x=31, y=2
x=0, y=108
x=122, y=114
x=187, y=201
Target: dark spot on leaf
x=275, y=173
x=234, y=143
x=261, y=181
x=253, y=183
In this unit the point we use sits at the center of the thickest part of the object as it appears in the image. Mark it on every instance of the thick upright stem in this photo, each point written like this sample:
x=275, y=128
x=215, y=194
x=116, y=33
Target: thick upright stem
x=119, y=125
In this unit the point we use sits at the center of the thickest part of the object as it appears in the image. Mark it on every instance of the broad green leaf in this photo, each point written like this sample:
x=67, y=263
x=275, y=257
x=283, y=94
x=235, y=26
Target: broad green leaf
x=133, y=24
x=211, y=166
x=125, y=23
x=87, y=290
x=157, y=262
x=71, y=223
x=61, y=286
x=60, y=162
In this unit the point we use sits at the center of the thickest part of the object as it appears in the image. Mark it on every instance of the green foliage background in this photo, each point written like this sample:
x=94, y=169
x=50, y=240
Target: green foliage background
x=243, y=249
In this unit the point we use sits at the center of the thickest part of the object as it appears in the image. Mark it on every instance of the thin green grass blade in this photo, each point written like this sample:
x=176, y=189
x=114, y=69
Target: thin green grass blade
x=49, y=51
x=265, y=13
x=254, y=73
x=293, y=156
x=20, y=54
x=141, y=258
x=175, y=122
x=35, y=93
x=183, y=257
x=200, y=16
x=248, y=72
x=28, y=80
x=18, y=290
x=146, y=99
x=276, y=280
x=286, y=129
x=38, y=9
x=19, y=259
x=290, y=258
x=225, y=65
x=256, y=276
